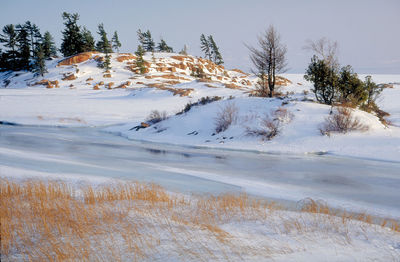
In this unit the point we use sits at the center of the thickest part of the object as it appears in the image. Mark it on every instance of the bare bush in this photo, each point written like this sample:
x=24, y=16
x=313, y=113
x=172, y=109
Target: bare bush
x=156, y=116
x=342, y=121
x=225, y=117
x=271, y=124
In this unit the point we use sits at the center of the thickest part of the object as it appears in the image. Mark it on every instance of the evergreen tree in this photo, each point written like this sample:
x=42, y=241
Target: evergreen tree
x=205, y=47
x=34, y=35
x=9, y=38
x=141, y=37
x=72, y=37
x=49, y=48
x=324, y=79
x=23, y=44
x=146, y=41
x=139, y=59
x=215, y=54
x=163, y=47
x=351, y=88
x=149, y=47
x=39, y=65
x=2, y=61
x=103, y=45
x=88, y=43
x=116, y=44
x=107, y=62
x=373, y=91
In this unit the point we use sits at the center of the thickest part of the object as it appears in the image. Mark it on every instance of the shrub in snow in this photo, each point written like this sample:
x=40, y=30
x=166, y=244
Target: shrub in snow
x=225, y=117
x=156, y=116
x=342, y=121
x=271, y=124
x=202, y=101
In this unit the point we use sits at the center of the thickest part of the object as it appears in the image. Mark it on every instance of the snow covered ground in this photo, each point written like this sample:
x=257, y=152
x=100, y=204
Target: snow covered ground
x=122, y=109
x=285, y=235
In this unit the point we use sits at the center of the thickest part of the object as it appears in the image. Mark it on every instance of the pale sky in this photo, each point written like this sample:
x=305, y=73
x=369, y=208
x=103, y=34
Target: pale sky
x=368, y=31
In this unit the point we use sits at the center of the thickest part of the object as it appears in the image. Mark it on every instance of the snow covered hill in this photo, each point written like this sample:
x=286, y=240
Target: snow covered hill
x=191, y=95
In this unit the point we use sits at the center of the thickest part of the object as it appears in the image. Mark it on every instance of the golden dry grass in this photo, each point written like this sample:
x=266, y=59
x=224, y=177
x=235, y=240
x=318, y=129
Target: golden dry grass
x=56, y=221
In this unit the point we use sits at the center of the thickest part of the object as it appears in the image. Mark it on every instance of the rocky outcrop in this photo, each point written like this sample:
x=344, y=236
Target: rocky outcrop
x=76, y=59
x=125, y=56
x=48, y=83
x=69, y=77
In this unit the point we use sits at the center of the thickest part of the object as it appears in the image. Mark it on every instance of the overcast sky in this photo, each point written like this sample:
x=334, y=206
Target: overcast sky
x=368, y=31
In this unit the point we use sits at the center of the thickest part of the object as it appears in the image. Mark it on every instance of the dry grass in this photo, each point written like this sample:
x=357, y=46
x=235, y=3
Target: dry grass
x=53, y=221
x=56, y=221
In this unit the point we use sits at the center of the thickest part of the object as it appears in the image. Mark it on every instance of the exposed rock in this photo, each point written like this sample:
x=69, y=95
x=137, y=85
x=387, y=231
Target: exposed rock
x=107, y=75
x=48, y=83
x=99, y=59
x=172, y=82
x=179, y=58
x=55, y=83
x=232, y=86
x=109, y=85
x=142, y=125
x=89, y=79
x=76, y=59
x=124, y=57
x=96, y=87
x=69, y=77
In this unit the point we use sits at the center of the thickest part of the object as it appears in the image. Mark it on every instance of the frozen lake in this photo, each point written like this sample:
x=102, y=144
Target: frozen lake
x=363, y=185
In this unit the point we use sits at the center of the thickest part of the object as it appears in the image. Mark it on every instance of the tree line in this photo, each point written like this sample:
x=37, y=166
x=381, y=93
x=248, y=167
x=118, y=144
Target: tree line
x=333, y=84
x=27, y=49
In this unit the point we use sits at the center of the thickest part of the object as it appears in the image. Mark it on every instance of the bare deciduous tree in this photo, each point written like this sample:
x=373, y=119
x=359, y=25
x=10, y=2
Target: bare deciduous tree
x=325, y=49
x=268, y=59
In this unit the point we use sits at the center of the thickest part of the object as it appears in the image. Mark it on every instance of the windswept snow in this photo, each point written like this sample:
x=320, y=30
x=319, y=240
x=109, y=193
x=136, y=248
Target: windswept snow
x=123, y=109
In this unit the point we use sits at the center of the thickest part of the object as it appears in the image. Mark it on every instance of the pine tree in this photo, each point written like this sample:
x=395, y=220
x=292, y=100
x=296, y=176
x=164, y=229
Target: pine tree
x=2, y=61
x=49, y=48
x=88, y=43
x=141, y=37
x=205, y=47
x=39, y=65
x=163, y=47
x=373, y=91
x=72, y=37
x=116, y=44
x=215, y=54
x=149, y=47
x=324, y=78
x=24, y=51
x=34, y=35
x=351, y=88
x=107, y=63
x=103, y=45
x=139, y=59
x=146, y=41
x=9, y=38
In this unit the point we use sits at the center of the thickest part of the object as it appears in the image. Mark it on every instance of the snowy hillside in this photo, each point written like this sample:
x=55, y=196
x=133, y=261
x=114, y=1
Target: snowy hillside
x=76, y=92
